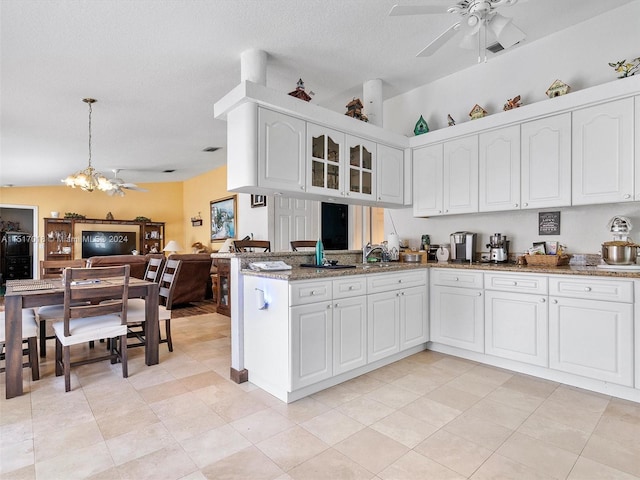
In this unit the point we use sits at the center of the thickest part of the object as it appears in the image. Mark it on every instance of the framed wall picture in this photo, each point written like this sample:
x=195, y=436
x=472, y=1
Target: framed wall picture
x=549, y=223
x=223, y=218
x=258, y=201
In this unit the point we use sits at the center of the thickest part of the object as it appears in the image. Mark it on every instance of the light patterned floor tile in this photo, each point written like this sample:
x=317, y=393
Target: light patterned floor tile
x=407, y=430
x=454, y=452
x=371, y=449
x=413, y=466
x=292, y=447
x=332, y=427
x=330, y=464
x=249, y=463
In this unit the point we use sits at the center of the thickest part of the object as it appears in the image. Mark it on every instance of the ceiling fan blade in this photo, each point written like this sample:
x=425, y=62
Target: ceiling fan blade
x=443, y=38
x=131, y=186
x=398, y=10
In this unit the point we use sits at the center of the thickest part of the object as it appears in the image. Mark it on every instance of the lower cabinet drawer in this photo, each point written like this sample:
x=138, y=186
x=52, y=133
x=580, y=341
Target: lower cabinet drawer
x=507, y=282
x=592, y=289
x=349, y=286
x=302, y=293
x=453, y=277
x=385, y=282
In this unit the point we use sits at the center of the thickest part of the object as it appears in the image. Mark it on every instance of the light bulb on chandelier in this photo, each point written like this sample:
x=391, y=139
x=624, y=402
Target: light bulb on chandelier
x=89, y=179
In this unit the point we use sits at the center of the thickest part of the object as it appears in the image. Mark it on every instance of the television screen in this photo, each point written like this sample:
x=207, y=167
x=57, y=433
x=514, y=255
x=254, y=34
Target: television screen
x=108, y=243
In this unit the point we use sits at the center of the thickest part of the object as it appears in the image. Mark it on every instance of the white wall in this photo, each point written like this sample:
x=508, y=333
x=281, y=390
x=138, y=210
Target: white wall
x=578, y=56
x=252, y=220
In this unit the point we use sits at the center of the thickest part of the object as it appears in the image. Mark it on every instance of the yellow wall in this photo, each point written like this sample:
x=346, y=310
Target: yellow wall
x=172, y=202
x=198, y=193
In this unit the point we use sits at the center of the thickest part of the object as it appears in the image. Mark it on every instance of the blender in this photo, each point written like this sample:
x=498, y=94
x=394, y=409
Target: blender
x=498, y=248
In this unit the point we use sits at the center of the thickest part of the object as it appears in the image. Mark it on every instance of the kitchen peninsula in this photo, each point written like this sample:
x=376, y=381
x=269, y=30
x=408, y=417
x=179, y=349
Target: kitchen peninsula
x=300, y=331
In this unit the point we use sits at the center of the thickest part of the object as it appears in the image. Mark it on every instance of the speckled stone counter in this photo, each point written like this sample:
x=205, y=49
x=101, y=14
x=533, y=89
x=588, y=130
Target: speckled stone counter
x=354, y=257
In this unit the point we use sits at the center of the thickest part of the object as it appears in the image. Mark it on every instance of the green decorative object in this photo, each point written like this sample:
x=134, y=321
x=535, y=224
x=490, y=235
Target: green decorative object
x=141, y=219
x=73, y=215
x=421, y=127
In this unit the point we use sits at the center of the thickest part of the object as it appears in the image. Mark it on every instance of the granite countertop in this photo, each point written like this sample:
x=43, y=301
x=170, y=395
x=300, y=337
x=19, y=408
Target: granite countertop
x=305, y=273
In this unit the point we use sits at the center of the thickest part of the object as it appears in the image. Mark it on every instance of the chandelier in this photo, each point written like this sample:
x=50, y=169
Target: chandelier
x=89, y=179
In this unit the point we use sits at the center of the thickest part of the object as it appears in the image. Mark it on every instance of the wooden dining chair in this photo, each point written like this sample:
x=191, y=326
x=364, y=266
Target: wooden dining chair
x=249, y=245
x=29, y=335
x=296, y=244
x=95, y=307
x=136, y=312
x=52, y=269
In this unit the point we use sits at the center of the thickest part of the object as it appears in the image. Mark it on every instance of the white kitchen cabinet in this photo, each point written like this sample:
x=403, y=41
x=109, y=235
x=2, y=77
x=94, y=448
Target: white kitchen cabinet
x=349, y=334
x=457, y=317
x=499, y=169
x=397, y=309
x=546, y=162
x=360, y=168
x=311, y=343
x=390, y=175
x=383, y=335
x=516, y=326
x=516, y=317
x=428, y=164
x=325, y=160
x=281, y=151
x=414, y=326
x=603, y=153
x=592, y=338
x=637, y=149
x=460, y=173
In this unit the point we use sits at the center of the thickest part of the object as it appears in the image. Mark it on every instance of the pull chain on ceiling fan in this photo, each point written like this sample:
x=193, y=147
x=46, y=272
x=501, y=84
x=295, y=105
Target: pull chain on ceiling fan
x=478, y=18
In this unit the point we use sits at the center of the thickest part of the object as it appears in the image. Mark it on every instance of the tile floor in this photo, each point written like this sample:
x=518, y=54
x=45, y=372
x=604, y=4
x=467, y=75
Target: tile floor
x=430, y=416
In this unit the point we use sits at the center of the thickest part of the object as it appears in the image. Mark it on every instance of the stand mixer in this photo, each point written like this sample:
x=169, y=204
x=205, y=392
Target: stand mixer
x=498, y=248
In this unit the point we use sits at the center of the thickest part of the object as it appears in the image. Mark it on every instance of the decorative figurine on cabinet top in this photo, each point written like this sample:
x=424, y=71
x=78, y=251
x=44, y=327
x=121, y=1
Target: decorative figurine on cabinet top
x=300, y=93
x=557, y=88
x=512, y=103
x=627, y=69
x=421, y=126
x=354, y=109
x=450, y=121
x=477, y=112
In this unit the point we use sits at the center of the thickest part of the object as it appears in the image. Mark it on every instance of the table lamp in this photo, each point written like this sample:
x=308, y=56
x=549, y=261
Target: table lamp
x=172, y=247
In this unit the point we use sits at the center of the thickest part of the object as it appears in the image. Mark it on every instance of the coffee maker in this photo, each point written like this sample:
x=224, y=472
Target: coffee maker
x=498, y=248
x=463, y=246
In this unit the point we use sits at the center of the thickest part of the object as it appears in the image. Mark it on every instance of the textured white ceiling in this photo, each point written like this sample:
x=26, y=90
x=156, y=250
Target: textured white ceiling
x=157, y=67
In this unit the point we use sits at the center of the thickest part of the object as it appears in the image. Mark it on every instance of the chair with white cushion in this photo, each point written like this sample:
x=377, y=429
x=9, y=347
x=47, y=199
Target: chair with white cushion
x=136, y=313
x=29, y=335
x=104, y=315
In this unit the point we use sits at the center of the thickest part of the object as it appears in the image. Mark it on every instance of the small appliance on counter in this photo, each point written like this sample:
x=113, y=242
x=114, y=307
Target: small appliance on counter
x=621, y=251
x=463, y=246
x=498, y=248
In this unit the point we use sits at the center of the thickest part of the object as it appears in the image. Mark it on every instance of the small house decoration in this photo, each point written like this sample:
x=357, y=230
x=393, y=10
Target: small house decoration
x=354, y=109
x=512, y=103
x=557, y=88
x=109, y=216
x=421, y=126
x=450, y=121
x=300, y=93
x=627, y=69
x=477, y=112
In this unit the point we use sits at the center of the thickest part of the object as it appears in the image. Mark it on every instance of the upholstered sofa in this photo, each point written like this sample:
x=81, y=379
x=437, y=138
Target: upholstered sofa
x=138, y=262
x=194, y=280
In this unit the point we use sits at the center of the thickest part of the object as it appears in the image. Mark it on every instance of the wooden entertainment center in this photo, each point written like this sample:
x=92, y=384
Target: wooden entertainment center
x=62, y=238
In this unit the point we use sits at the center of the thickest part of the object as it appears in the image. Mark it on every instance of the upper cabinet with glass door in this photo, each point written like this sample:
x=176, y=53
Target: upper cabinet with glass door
x=325, y=156
x=362, y=168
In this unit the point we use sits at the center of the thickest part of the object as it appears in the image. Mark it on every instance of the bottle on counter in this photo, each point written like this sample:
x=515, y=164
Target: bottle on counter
x=319, y=252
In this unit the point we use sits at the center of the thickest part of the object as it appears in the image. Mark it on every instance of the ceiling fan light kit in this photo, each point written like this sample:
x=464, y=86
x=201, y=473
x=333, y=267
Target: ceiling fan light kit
x=90, y=179
x=477, y=18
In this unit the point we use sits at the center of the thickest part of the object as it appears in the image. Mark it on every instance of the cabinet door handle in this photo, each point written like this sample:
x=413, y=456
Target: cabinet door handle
x=543, y=300
x=350, y=287
x=587, y=289
x=336, y=305
x=479, y=294
x=627, y=196
x=301, y=188
x=525, y=204
x=329, y=306
x=400, y=281
x=515, y=205
x=439, y=211
x=312, y=292
x=554, y=301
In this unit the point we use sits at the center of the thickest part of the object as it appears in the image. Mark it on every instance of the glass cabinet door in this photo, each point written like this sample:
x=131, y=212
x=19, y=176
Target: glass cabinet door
x=326, y=152
x=361, y=167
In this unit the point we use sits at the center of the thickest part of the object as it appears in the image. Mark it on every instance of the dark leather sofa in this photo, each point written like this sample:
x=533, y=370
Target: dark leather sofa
x=194, y=279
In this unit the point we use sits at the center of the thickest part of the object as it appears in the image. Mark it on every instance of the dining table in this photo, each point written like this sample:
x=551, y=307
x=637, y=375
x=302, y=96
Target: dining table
x=36, y=293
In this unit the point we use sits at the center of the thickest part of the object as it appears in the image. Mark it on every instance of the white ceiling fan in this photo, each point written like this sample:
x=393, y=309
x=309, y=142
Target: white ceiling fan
x=477, y=18
x=119, y=185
